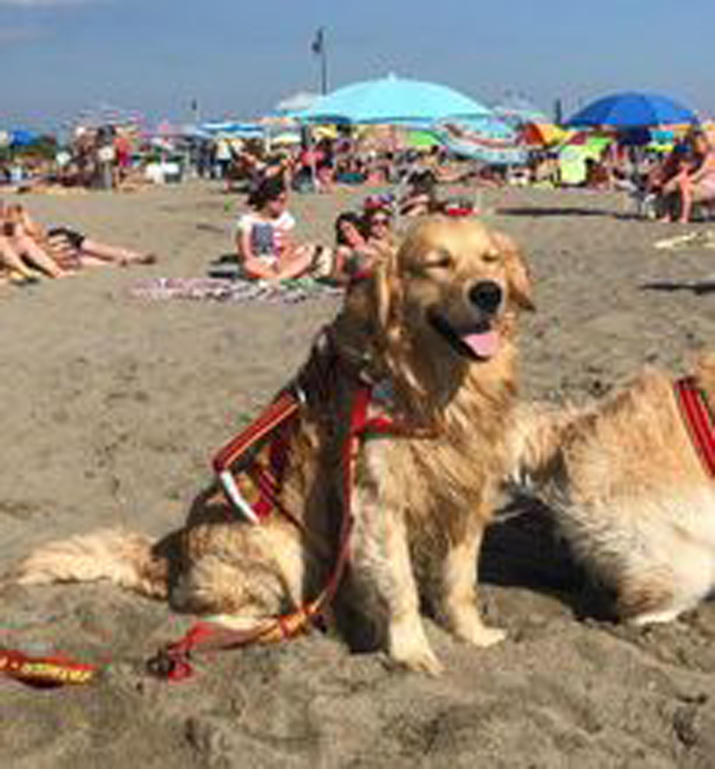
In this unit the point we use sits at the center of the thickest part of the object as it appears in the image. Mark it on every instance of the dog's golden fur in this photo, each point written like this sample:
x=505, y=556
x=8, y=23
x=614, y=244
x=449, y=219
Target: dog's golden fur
x=629, y=492
x=421, y=502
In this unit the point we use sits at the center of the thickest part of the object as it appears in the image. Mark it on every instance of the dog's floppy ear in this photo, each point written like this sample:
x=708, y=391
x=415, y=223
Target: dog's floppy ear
x=517, y=272
x=386, y=283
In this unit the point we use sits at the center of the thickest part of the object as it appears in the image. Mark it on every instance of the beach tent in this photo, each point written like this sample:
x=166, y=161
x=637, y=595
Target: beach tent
x=392, y=100
x=632, y=109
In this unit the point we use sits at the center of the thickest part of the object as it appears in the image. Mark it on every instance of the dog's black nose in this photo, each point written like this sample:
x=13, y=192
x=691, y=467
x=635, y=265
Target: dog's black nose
x=486, y=296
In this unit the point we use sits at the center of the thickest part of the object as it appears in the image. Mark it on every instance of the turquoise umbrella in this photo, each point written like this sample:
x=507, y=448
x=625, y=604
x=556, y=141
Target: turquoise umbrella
x=392, y=100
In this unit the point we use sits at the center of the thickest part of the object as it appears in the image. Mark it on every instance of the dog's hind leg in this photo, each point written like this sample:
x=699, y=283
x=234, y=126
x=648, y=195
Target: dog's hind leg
x=663, y=592
x=253, y=571
x=381, y=567
x=457, y=607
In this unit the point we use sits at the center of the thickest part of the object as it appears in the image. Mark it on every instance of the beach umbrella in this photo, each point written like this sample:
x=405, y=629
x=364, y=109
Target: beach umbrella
x=542, y=134
x=422, y=140
x=230, y=128
x=517, y=110
x=632, y=109
x=392, y=100
x=23, y=137
x=295, y=104
x=285, y=139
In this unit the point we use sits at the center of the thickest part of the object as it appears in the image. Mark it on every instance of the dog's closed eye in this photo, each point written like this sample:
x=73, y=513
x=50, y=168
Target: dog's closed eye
x=440, y=259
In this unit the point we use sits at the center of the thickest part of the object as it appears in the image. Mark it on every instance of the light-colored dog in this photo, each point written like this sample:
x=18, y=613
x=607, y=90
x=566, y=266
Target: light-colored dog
x=629, y=491
x=433, y=330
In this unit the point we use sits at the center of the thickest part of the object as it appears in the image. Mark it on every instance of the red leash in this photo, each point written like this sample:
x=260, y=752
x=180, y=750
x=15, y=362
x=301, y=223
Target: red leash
x=44, y=671
x=173, y=662
x=698, y=421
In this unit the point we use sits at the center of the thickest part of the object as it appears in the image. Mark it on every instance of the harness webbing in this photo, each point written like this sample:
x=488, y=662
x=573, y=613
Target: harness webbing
x=698, y=420
x=173, y=661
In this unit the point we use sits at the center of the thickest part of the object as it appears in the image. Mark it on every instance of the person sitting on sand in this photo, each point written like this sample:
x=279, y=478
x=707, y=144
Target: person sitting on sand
x=695, y=180
x=359, y=242
x=264, y=236
x=71, y=249
x=351, y=249
x=20, y=242
x=421, y=195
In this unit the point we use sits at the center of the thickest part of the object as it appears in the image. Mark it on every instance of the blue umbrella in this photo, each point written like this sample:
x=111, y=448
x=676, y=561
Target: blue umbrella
x=22, y=137
x=633, y=109
x=392, y=100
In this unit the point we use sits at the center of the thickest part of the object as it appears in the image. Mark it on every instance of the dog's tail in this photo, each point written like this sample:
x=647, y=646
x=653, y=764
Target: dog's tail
x=124, y=558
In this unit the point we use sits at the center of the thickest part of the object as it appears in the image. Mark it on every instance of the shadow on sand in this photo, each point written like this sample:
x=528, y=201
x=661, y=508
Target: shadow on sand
x=553, y=211
x=697, y=287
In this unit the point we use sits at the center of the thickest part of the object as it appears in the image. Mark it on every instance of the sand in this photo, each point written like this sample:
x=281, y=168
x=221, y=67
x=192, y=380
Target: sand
x=111, y=408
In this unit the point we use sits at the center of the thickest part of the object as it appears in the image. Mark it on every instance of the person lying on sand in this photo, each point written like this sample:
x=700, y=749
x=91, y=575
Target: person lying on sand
x=264, y=237
x=12, y=265
x=72, y=250
x=21, y=243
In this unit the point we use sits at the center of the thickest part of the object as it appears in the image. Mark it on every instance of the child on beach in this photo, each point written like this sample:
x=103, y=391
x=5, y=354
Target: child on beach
x=264, y=237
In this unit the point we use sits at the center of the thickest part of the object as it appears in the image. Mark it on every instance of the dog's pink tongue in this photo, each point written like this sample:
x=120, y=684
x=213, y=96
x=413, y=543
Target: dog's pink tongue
x=484, y=345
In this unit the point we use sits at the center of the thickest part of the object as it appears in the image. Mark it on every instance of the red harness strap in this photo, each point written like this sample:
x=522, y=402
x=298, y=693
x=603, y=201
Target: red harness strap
x=698, y=421
x=173, y=662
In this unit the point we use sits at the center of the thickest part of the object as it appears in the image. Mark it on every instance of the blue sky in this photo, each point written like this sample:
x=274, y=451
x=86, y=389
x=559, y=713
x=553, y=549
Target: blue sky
x=239, y=58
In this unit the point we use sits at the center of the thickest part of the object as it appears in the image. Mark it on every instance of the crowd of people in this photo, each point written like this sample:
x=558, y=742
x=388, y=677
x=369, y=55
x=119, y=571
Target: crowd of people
x=265, y=244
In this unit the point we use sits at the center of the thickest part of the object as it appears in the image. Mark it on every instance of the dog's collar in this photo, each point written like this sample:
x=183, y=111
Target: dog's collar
x=698, y=420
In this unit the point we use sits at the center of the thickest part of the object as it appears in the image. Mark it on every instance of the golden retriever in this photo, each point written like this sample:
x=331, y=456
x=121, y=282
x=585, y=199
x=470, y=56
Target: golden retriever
x=629, y=491
x=433, y=330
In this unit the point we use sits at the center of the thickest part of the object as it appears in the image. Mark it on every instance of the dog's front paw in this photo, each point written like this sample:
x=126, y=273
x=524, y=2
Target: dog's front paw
x=410, y=648
x=419, y=661
x=487, y=636
x=479, y=634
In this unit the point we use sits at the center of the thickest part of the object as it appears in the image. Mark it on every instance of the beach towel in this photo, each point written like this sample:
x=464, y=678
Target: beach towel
x=222, y=290
x=701, y=239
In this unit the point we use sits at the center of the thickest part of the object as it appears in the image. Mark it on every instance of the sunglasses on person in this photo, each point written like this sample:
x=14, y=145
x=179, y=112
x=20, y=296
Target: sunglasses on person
x=381, y=220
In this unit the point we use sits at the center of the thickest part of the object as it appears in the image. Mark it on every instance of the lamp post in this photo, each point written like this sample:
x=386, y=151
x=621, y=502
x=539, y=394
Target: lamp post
x=319, y=48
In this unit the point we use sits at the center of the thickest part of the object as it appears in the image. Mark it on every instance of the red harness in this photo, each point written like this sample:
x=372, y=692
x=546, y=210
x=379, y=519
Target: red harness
x=251, y=469
x=698, y=420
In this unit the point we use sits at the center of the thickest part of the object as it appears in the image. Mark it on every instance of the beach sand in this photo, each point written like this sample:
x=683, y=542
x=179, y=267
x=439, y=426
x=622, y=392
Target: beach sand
x=111, y=407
